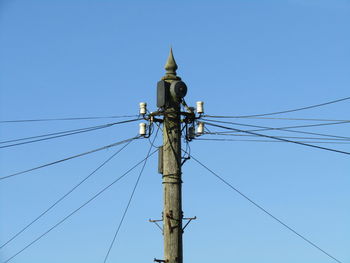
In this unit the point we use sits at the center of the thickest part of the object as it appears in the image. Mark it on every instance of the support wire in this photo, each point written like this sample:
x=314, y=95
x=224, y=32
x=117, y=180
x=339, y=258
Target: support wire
x=265, y=211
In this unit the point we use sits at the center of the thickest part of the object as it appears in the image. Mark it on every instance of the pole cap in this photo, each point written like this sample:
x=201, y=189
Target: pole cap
x=171, y=67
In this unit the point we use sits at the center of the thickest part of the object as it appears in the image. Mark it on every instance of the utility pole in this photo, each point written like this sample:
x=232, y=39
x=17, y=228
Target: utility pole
x=170, y=96
x=172, y=188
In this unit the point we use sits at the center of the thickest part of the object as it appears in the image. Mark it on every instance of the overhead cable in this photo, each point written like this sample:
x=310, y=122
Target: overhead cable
x=265, y=211
x=65, y=195
x=265, y=128
x=68, y=158
x=76, y=210
x=55, y=133
x=286, y=127
x=251, y=140
x=130, y=199
x=233, y=133
x=287, y=111
x=69, y=119
x=61, y=134
x=277, y=138
x=275, y=118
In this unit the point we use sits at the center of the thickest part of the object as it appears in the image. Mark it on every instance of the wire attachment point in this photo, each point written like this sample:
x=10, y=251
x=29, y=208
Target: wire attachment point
x=188, y=222
x=160, y=260
x=156, y=223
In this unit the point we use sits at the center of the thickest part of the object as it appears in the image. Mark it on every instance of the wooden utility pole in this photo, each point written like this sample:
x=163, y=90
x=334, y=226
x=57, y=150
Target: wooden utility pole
x=171, y=162
x=170, y=96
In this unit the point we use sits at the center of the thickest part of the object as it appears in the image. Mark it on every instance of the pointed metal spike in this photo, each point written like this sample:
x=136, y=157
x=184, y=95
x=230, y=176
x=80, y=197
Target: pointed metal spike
x=171, y=65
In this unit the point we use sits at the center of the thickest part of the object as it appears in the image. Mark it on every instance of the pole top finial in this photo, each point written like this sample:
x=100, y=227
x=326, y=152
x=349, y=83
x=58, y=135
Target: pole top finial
x=170, y=67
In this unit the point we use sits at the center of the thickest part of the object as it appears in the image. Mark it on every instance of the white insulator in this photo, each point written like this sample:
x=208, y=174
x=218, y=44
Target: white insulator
x=142, y=130
x=200, y=108
x=200, y=128
x=143, y=108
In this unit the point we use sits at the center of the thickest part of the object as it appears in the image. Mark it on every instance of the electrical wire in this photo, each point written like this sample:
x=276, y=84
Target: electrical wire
x=62, y=134
x=55, y=133
x=69, y=119
x=280, y=139
x=76, y=210
x=318, y=134
x=152, y=143
x=235, y=140
x=315, y=125
x=274, y=118
x=65, y=195
x=130, y=199
x=287, y=127
x=265, y=211
x=68, y=158
x=287, y=111
x=265, y=128
x=232, y=133
x=187, y=153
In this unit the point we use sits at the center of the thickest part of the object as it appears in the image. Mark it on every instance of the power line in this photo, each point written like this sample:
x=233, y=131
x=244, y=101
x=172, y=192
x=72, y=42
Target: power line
x=265, y=211
x=69, y=119
x=64, y=196
x=68, y=158
x=61, y=134
x=265, y=128
x=232, y=133
x=273, y=118
x=314, y=125
x=130, y=199
x=52, y=137
x=55, y=133
x=318, y=134
x=287, y=127
x=287, y=111
x=235, y=140
x=69, y=131
x=76, y=210
x=280, y=139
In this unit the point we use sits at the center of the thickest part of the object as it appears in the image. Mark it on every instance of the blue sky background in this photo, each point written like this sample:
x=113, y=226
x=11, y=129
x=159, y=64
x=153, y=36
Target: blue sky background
x=101, y=58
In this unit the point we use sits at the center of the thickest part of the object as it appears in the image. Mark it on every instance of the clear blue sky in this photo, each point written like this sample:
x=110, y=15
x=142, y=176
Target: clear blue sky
x=99, y=58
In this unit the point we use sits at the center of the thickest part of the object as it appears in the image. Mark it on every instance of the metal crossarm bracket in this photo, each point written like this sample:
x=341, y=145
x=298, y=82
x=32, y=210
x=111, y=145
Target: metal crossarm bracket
x=156, y=223
x=189, y=221
x=160, y=260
